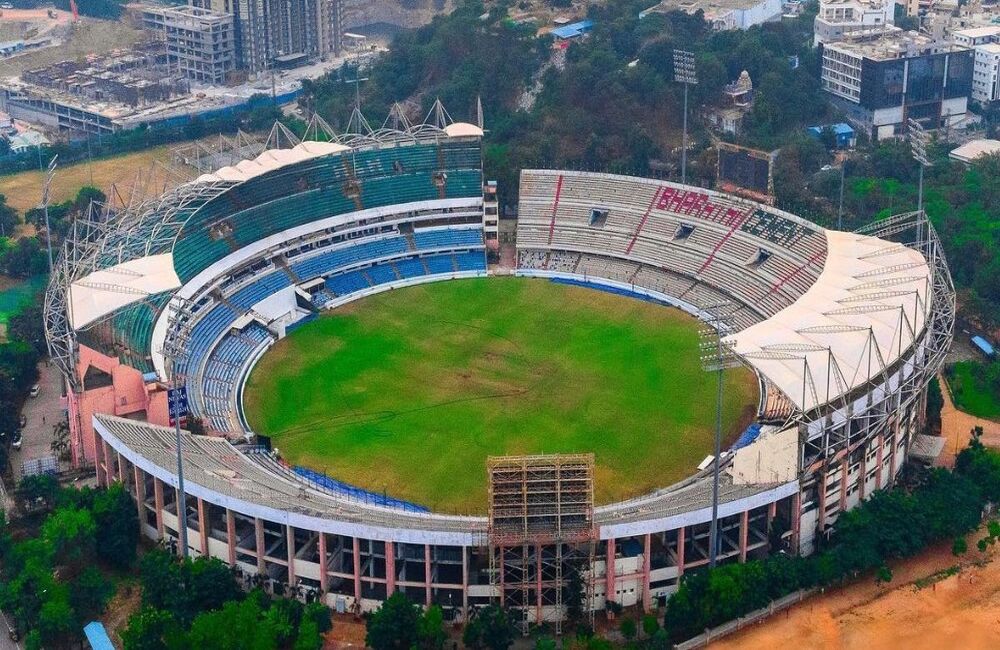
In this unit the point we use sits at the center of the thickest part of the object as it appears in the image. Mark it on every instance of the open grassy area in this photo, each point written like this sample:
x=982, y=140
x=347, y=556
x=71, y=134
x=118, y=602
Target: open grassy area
x=971, y=393
x=24, y=190
x=409, y=391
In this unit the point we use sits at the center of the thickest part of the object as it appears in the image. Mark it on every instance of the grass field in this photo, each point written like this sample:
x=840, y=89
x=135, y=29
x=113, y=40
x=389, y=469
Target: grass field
x=972, y=393
x=407, y=392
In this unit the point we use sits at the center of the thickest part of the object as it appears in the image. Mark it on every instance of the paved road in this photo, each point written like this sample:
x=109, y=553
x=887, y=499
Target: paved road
x=42, y=413
x=5, y=642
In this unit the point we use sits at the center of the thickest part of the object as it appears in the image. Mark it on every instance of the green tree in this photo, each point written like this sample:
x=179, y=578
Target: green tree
x=117, y=518
x=308, y=637
x=489, y=628
x=649, y=625
x=432, y=634
x=319, y=614
x=545, y=643
x=628, y=628
x=394, y=625
x=959, y=546
x=8, y=218
x=90, y=592
x=72, y=536
x=152, y=629
x=238, y=625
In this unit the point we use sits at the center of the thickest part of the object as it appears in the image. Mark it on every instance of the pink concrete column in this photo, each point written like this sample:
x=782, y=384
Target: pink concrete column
x=121, y=467
x=822, y=499
x=258, y=525
x=231, y=535
x=680, y=551
x=878, y=461
x=796, y=521
x=140, y=494
x=772, y=511
x=744, y=534
x=609, y=573
x=647, y=563
x=862, y=472
x=357, y=571
x=158, y=501
x=290, y=542
x=203, y=525
x=323, y=579
x=390, y=569
x=843, y=484
x=427, y=574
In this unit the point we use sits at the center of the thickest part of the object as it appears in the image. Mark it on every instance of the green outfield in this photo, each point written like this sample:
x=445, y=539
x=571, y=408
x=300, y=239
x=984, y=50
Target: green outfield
x=407, y=392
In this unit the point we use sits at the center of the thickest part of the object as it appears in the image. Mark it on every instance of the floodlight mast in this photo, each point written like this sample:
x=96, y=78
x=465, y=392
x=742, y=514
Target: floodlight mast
x=919, y=138
x=685, y=73
x=45, y=207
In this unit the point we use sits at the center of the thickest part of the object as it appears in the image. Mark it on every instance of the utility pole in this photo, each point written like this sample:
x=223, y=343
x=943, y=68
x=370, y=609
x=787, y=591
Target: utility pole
x=45, y=207
x=685, y=73
x=357, y=84
x=840, y=205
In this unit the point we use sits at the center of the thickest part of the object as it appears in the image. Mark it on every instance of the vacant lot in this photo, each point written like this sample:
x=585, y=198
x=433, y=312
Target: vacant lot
x=24, y=190
x=89, y=36
x=409, y=391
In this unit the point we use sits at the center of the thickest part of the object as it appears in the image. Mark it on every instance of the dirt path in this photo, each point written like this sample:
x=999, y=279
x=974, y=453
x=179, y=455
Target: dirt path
x=956, y=425
x=957, y=611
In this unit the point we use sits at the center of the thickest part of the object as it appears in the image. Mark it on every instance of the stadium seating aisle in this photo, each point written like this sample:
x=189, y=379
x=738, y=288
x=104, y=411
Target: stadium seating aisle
x=224, y=369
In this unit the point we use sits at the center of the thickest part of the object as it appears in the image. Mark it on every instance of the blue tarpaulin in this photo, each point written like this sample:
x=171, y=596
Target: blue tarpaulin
x=983, y=345
x=97, y=636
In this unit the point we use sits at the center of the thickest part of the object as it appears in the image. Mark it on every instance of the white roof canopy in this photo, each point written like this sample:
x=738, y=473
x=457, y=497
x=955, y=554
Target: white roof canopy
x=272, y=159
x=102, y=292
x=864, y=311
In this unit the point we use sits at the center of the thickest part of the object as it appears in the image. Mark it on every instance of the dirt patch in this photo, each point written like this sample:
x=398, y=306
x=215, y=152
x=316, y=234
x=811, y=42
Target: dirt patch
x=925, y=607
x=956, y=427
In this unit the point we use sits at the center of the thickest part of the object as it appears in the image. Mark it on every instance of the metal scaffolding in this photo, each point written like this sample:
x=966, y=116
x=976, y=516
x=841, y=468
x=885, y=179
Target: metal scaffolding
x=541, y=534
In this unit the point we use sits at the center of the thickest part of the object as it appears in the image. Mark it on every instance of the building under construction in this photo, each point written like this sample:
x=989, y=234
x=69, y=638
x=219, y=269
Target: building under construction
x=199, y=42
x=281, y=32
x=541, y=534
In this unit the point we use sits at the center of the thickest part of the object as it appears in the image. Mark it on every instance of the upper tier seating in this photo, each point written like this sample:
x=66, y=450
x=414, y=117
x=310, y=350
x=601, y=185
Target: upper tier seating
x=716, y=246
x=323, y=187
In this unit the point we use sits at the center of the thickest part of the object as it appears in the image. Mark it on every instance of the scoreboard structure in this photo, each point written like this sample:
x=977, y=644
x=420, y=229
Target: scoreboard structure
x=746, y=172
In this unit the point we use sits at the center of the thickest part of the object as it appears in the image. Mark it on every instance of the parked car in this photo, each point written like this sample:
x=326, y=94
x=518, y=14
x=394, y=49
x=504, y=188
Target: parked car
x=23, y=421
x=34, y=391
x=17, y=441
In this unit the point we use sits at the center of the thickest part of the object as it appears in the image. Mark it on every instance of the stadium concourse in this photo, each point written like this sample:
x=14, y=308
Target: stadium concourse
x=843, y=330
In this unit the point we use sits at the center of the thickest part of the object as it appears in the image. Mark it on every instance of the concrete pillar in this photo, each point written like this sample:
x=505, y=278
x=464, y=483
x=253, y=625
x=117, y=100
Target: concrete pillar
x=609, y=572
x=680, y=551
x=121, y=468
x=844, y=468
x=357, y=571
x=796, y=521
x=390, y=569
x=647, y=562
x=465, y=583
x=231, y=535
x=863, y=471
x=258, y=525
x=323, y=579
x=140, y=493
x=203, y=525
x=878, y=461
x=821, y=498
x=744, y=534
x=427, y=575
x=290, y=542
x=158, y=501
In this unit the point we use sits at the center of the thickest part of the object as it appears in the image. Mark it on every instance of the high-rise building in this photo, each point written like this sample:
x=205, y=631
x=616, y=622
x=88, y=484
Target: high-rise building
x=883, y=79
x=281, y=32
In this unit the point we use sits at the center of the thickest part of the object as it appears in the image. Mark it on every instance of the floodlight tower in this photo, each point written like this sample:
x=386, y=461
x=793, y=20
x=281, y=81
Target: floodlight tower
x=45, y=207
x=716, y=356
x=919, y=138
x=685, y=73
